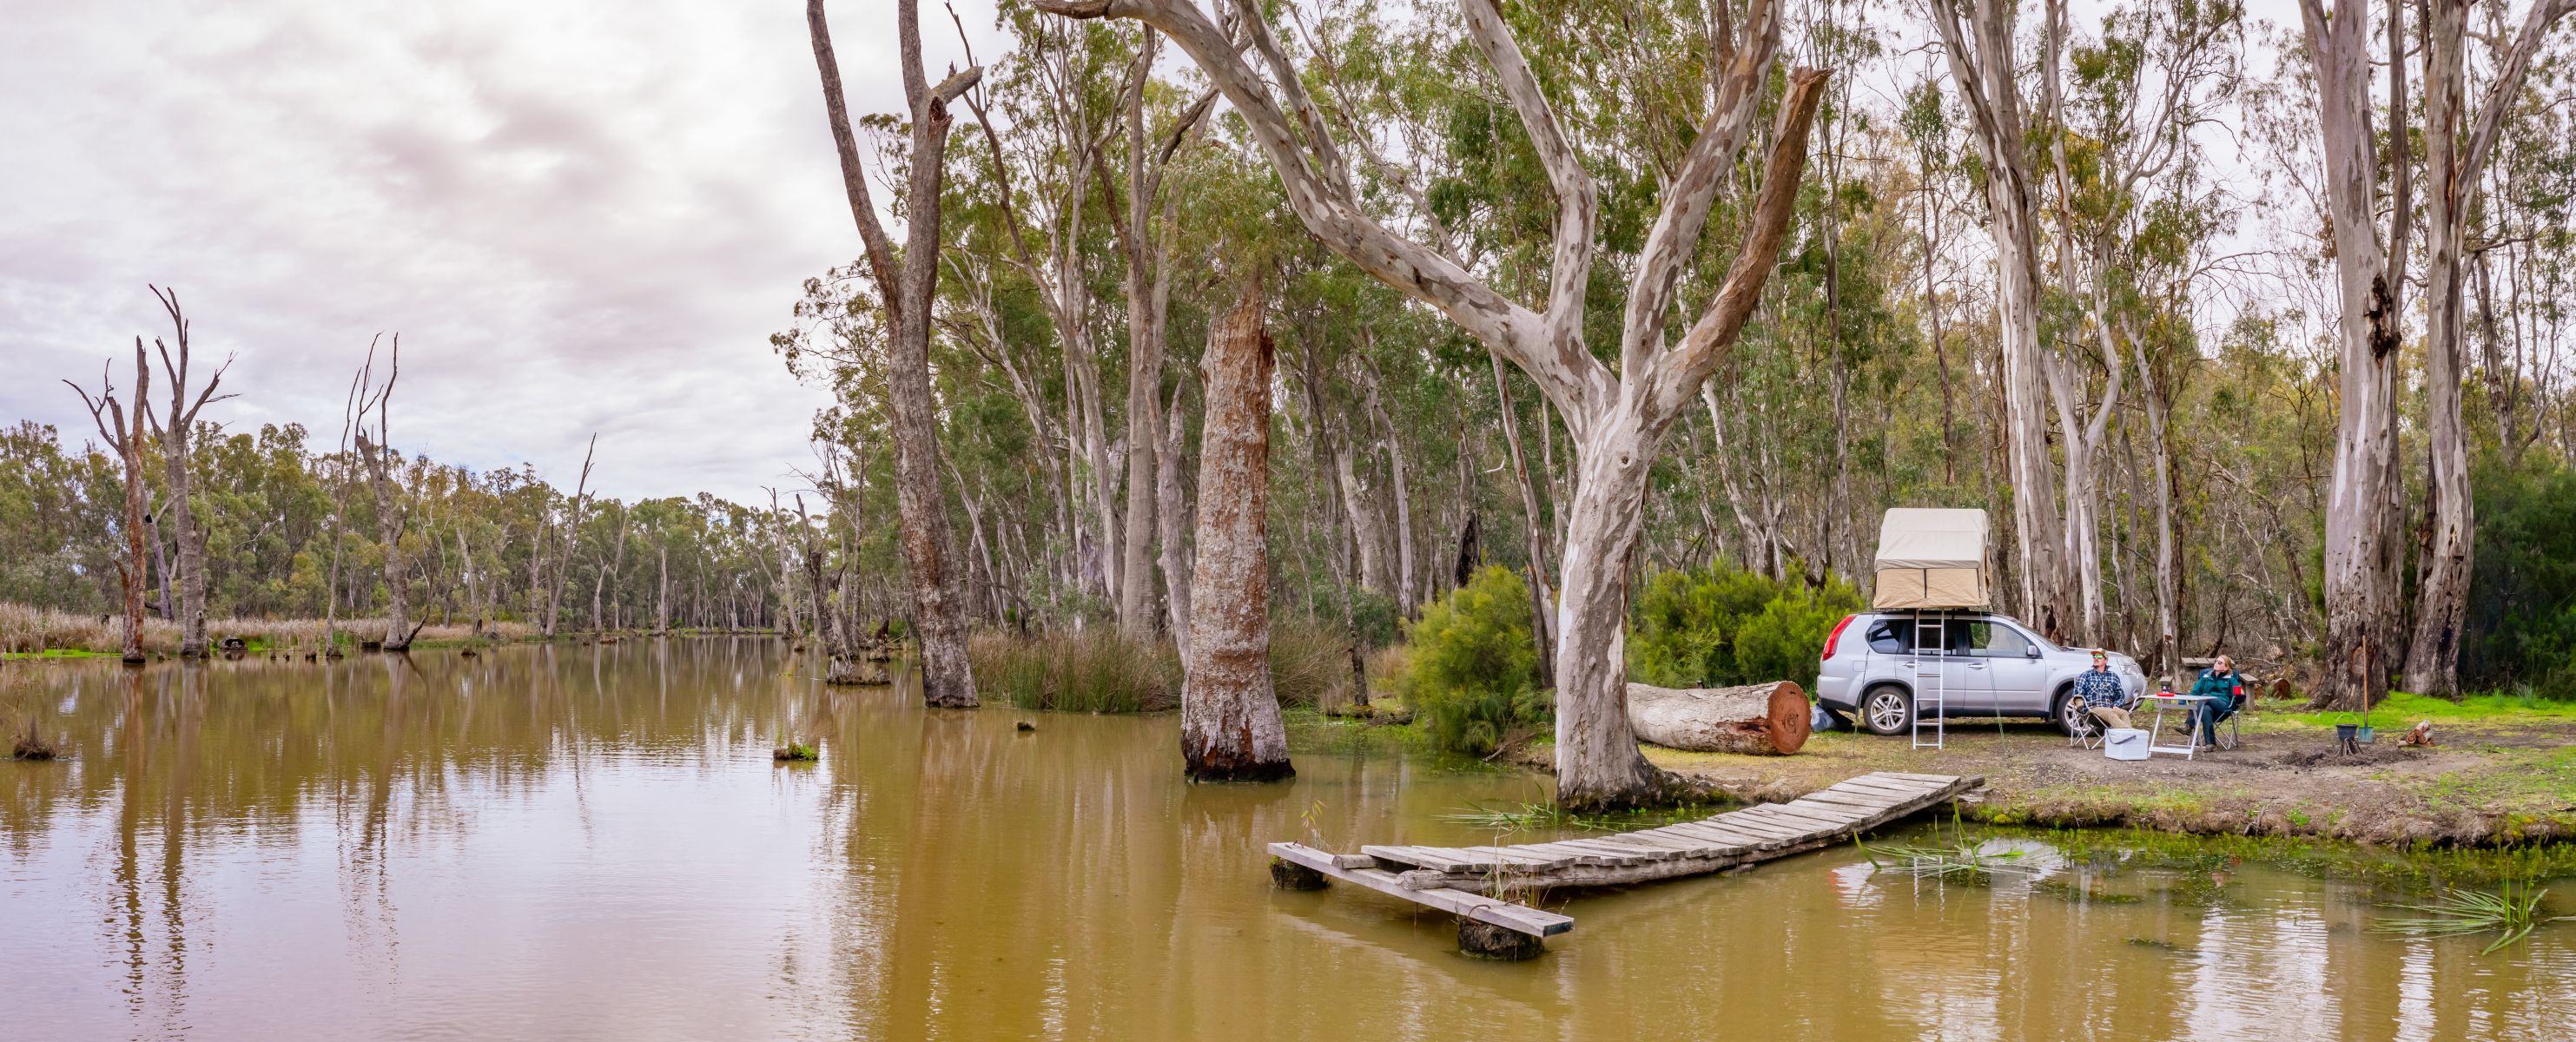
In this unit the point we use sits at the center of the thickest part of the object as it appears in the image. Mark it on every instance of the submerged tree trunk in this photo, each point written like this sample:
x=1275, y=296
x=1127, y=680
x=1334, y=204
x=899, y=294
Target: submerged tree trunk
x=383, y=468
x=1230, y=724
x=177, y=435
x=126, y=437
x=907, y=287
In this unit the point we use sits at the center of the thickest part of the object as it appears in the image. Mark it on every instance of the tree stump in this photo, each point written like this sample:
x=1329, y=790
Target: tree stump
x=1759, y=719
x=1488, y=941
x=1289, y=875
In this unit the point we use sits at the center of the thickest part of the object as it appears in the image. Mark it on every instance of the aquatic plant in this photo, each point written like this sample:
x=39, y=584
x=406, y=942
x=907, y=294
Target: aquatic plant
x=2512, y=913
x=1961, y=856
x=29, y=745
x=798, y=752
x=1529, y=817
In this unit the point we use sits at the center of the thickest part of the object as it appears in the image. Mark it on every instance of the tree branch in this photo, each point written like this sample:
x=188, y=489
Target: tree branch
x=1678, y=375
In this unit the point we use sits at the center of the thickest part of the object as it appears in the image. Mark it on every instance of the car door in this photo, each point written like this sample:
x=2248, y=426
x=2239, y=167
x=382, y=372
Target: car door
x=1990, y=669
x=1968, y=676
x=2018, y=676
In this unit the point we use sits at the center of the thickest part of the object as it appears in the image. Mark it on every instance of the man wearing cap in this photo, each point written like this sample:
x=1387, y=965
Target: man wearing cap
x=2102, y=692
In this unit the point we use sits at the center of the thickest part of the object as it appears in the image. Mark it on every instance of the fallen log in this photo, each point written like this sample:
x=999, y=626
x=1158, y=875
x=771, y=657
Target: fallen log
x=1760, y=719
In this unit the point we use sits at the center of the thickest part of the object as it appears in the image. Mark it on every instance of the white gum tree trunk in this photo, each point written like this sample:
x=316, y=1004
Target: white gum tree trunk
x=1619, y=416
x=1982, y=66
x=2357, y=493
x=1230, y=724
x=2458, y=142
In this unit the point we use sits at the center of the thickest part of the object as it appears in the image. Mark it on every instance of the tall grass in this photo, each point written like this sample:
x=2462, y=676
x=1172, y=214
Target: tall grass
x=26, y=630
x=1093, y=671
x=1097, y=670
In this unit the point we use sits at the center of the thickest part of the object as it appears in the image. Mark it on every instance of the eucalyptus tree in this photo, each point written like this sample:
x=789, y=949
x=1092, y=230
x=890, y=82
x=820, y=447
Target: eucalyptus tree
x=1617, y=417
x=1230, y=724
x=1978, y=40
x=907, y=285
x=2359, y=579
x=2458, y=141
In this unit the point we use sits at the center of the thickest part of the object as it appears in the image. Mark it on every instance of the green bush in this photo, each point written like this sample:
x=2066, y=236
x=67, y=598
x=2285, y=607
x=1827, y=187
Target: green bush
x=1720, y=627
x=1093, y=671
x=1472, y=675
x=1374, y=617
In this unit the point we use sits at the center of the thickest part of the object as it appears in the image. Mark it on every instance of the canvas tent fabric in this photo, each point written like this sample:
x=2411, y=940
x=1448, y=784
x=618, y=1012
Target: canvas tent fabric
x=1932, y=558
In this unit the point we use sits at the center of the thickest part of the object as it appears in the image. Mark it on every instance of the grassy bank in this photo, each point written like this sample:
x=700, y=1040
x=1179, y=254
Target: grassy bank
x=27, y=632
x=2503, y=773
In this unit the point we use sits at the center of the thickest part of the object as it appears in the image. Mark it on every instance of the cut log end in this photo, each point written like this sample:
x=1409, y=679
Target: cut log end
x=1758, y=719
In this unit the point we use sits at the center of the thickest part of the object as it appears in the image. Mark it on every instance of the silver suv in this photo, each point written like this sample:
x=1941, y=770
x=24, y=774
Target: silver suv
x=1986, y=665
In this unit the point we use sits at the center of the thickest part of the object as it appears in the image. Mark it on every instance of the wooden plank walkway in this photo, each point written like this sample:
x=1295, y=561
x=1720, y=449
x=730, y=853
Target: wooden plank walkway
x=1459, y=879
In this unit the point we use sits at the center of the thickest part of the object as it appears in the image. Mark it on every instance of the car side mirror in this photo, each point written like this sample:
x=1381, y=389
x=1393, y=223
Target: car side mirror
x=2031, y=651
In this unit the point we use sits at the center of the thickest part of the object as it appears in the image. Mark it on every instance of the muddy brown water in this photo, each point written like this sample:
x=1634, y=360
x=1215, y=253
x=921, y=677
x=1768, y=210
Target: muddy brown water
x=593, y=842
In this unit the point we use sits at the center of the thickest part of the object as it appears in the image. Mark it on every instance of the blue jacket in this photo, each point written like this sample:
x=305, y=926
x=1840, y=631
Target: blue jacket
x=2100, y=687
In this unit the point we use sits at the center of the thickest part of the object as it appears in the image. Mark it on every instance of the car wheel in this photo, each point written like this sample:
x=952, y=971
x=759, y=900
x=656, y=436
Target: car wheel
x=2072, y=718
x=1886, y=710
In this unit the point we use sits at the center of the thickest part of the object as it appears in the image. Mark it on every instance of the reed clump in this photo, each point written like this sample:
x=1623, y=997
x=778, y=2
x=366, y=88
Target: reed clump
x=1091, y=671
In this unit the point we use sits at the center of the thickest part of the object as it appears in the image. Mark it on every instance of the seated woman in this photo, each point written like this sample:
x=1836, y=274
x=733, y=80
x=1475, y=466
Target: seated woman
x=2225, y=690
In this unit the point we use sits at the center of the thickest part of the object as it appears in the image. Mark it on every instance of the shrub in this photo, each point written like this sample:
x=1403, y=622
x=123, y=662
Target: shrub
x=1374, y=615
x=1720, y=627
x=1472, y=671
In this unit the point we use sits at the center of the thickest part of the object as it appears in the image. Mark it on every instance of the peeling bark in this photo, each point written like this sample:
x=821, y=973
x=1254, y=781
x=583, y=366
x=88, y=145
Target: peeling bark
x=1230, y=724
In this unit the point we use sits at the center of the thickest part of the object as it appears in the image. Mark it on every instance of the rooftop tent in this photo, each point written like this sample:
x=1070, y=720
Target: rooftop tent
x=1931, y=558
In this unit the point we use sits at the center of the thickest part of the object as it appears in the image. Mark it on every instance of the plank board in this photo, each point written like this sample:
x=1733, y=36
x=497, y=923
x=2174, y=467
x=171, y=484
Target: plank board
x=1835, y=813
x=1516, y=917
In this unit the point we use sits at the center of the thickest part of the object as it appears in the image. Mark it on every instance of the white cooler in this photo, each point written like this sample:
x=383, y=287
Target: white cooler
x=2124, y=743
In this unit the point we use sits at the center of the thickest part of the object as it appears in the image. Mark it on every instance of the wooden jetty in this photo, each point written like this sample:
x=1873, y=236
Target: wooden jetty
x=1473, y=882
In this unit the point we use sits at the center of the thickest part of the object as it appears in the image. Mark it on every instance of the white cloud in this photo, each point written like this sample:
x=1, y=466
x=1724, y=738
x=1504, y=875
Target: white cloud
x=580, y=216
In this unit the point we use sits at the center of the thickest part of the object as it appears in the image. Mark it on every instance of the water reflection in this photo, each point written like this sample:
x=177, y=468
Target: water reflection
x=592, y=842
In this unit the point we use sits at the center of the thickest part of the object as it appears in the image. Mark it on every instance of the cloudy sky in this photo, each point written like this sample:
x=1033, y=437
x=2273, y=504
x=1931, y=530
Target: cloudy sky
x=581, y=215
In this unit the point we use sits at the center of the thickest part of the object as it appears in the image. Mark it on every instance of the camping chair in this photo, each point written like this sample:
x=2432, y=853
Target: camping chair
x=2085, y=732
x=2225, y=733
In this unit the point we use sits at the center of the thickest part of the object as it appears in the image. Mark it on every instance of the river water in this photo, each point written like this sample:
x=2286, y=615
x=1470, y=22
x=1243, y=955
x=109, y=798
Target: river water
x=585, y=842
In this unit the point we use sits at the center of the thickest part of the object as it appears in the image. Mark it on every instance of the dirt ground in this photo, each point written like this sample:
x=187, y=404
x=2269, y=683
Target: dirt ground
x=2481, y=785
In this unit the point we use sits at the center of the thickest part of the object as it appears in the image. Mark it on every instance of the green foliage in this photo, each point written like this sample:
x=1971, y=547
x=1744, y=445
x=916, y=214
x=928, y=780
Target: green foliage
x=1719, y=627
x=2520, y=630
x=1472, y=679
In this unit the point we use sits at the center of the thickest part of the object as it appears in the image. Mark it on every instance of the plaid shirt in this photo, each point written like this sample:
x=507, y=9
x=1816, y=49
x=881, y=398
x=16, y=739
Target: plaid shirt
x=2100, y=687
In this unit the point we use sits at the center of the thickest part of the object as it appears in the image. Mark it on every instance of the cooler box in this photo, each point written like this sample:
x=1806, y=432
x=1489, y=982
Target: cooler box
x=2124, y=743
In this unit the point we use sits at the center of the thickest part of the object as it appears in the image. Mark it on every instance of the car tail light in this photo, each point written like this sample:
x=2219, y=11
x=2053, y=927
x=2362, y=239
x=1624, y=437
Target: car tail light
x=1835, y=637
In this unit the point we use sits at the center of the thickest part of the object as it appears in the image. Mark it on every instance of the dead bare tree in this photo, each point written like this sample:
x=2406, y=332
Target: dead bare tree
x=907, y=285
x=1618, y=417
x=126, y=437
x=1230, y=724
x=181, y=516
x=384, y=469
x=571, y=539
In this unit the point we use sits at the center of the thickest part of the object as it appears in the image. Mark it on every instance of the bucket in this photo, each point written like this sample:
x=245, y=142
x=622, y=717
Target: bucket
x=2125, y=743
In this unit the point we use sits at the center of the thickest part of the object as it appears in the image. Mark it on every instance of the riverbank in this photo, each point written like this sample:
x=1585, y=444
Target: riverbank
x=2501, y=774
x=27, y=632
